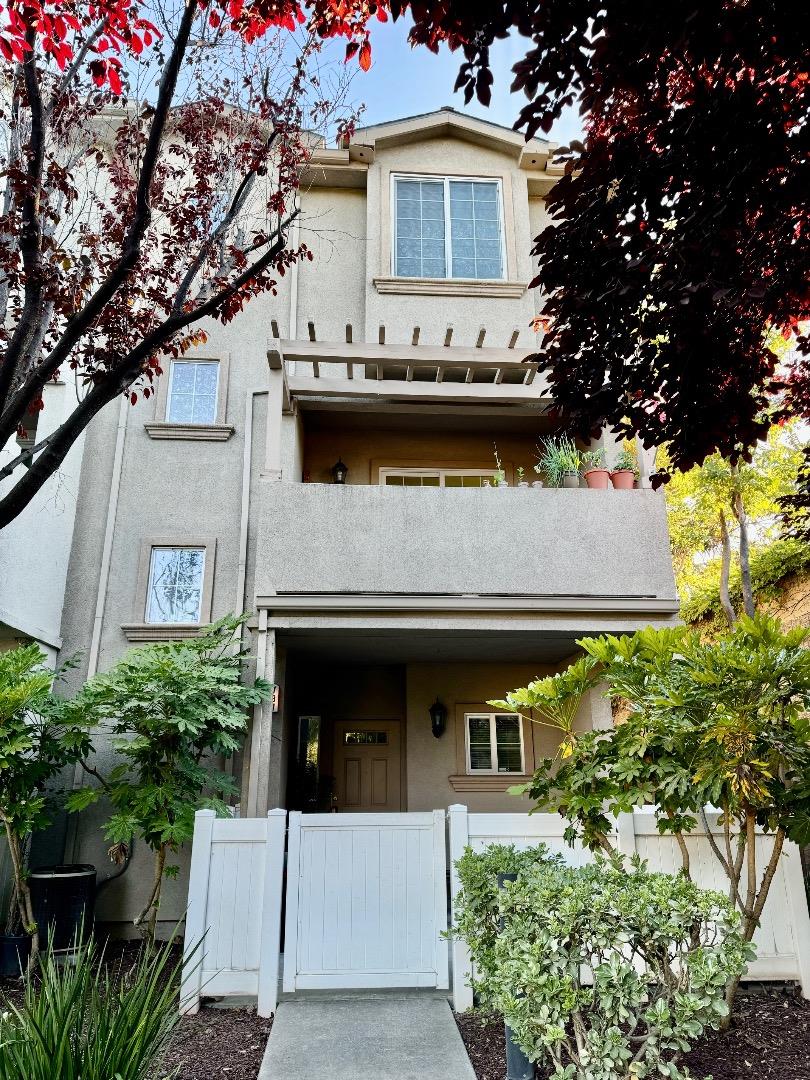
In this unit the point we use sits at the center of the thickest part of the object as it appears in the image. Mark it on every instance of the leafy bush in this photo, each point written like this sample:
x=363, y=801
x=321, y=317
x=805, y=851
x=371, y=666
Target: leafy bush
x=80, y=1022
x=477, y=910
x=658, y=950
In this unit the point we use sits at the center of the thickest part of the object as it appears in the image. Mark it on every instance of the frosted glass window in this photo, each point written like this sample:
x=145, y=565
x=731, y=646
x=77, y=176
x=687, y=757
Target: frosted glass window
x=193, y=392
x=494, y=743
x=448, y=229
x=175, y=585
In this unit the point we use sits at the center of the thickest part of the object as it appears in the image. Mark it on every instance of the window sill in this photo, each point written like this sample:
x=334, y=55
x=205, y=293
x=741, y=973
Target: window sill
x=160, y=631
x=512, y=290
x=495, y=782
x=160, y=429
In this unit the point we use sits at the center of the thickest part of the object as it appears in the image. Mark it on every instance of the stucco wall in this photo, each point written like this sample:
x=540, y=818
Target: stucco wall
x=366, y=451
x=330, y=538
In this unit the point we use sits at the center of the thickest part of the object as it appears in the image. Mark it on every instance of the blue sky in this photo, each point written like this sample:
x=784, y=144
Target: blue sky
x=405, y=81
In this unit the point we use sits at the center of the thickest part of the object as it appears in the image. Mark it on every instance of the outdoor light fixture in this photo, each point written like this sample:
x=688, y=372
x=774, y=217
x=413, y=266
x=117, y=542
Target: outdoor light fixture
x=339, y=472
x=438, y=718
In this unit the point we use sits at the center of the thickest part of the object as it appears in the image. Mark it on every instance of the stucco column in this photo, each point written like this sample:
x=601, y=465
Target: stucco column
x=256, y=801
x=275, y=404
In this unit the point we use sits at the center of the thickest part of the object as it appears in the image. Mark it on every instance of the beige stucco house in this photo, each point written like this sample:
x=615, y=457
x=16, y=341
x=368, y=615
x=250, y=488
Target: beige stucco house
x=392, y=361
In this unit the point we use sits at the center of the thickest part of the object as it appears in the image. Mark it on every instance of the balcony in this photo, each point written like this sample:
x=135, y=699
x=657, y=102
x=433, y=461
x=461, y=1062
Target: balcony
x=492, y=549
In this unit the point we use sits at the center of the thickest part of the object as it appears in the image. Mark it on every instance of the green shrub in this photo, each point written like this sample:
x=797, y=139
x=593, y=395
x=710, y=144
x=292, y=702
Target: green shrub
x=477, y=910
x=658, y=950
x=80, y=1022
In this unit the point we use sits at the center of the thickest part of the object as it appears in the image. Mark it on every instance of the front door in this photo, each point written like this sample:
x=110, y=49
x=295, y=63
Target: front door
x=367, y=763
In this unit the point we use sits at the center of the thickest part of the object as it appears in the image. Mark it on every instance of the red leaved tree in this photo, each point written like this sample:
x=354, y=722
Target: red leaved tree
x=150, y=175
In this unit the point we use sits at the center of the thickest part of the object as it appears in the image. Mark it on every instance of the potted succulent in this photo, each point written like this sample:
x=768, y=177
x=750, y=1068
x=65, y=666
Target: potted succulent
x=559, y=459
x=594, y=469
x=623, y=474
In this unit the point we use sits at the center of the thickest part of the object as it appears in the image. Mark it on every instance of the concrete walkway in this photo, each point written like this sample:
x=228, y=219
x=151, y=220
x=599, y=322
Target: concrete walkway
x=365, y=1035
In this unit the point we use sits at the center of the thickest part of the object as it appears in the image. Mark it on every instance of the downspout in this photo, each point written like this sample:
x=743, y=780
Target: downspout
x=101, y=594
x=293, y=327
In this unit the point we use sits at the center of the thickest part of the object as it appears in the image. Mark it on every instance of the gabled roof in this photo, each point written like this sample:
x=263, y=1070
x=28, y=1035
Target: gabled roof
x=448, y=121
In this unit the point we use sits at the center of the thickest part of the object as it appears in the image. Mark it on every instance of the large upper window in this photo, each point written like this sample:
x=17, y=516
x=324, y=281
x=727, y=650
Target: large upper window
x=448, y=228
x=193, y=391
x=175, y=585
x=494, y=743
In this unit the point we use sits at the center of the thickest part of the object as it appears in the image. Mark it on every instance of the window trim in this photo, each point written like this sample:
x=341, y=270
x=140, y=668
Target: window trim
x=141, y=630
x=493, y=745
x=160, y=427
x=448, y=243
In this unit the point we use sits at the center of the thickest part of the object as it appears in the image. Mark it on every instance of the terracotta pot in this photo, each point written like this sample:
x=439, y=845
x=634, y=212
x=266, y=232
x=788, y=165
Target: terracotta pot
x=597, y=478
x=623, y=479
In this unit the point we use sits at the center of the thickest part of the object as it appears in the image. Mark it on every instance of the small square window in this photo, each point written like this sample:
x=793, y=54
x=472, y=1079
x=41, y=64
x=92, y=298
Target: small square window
x=175, y=590
x=193, y=392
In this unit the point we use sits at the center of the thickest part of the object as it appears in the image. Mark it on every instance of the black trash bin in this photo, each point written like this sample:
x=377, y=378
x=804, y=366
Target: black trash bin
x=64, y=900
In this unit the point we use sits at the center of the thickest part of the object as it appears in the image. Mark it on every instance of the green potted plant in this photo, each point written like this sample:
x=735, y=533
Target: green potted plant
x=625, y=470
x=521, y=477
x=499, y=476
x=594, y=469
x=559, y=459
x=36, y=744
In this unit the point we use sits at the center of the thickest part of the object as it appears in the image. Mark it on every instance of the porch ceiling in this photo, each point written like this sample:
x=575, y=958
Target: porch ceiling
x=425, y=646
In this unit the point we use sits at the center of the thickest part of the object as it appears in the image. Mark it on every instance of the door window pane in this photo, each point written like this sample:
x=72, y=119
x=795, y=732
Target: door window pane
x=479, y=743
x=175, y=585
x=193, y=390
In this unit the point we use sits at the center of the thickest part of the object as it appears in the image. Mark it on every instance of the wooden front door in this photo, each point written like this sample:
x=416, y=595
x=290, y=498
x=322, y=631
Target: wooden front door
x=367, y=764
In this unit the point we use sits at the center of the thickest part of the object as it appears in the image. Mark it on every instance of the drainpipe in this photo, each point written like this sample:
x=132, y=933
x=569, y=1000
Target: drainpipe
x=294, y=240
x=72, y=841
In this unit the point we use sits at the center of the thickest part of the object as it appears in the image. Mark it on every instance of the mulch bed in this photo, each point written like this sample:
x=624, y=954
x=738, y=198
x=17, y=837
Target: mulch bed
x=217, y=1044
x=769, y=1040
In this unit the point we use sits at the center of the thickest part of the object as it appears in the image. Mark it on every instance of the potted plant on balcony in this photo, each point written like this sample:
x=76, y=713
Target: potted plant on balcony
x=594, y=470
x=559, y=459
x=521, y=477
x=624, y=473
x=499, y=476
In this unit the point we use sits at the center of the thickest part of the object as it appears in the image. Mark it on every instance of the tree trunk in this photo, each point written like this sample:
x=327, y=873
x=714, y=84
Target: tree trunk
x=147, y=919
x=22, y=894
x=745, y=556
x=725, y=566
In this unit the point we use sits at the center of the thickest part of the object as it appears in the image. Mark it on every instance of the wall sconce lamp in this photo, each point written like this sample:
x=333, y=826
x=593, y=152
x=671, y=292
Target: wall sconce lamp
x=438, y=718
x=339, y=472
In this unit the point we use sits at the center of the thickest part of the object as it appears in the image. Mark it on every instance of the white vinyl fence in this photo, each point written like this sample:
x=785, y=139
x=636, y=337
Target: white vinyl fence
x=367, y=898
x=782, y=939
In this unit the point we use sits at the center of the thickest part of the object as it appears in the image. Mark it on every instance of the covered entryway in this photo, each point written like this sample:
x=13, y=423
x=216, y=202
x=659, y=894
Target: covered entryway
x=367, y=766
x=366, y=901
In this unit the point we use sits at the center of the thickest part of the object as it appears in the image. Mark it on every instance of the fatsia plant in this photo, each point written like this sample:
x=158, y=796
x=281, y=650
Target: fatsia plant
x=171, y=708
x=719, y=724
x=36, y=743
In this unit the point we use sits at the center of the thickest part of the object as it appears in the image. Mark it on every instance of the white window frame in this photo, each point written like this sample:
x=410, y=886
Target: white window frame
x=448, y=252
x=148, y=603
x=193, y=360
x=440, y=472
x=493, y=745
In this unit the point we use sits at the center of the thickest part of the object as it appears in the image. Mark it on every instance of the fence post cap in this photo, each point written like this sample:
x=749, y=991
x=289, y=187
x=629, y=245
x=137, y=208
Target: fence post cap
x=457, y=808
x=277, y=812
x=205, y=813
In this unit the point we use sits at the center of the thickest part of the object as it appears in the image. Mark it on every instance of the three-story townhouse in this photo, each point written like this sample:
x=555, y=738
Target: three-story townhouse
x=325, y=462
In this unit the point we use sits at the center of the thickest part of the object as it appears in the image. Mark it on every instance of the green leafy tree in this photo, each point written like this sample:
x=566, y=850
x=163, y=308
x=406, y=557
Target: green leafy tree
x=722, y=724
x=171, y=708
x=35, y=745
x=711, y=503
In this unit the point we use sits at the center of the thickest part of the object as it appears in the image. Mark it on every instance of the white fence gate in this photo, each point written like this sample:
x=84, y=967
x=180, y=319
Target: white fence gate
x=366, y=901
x=367, y=898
